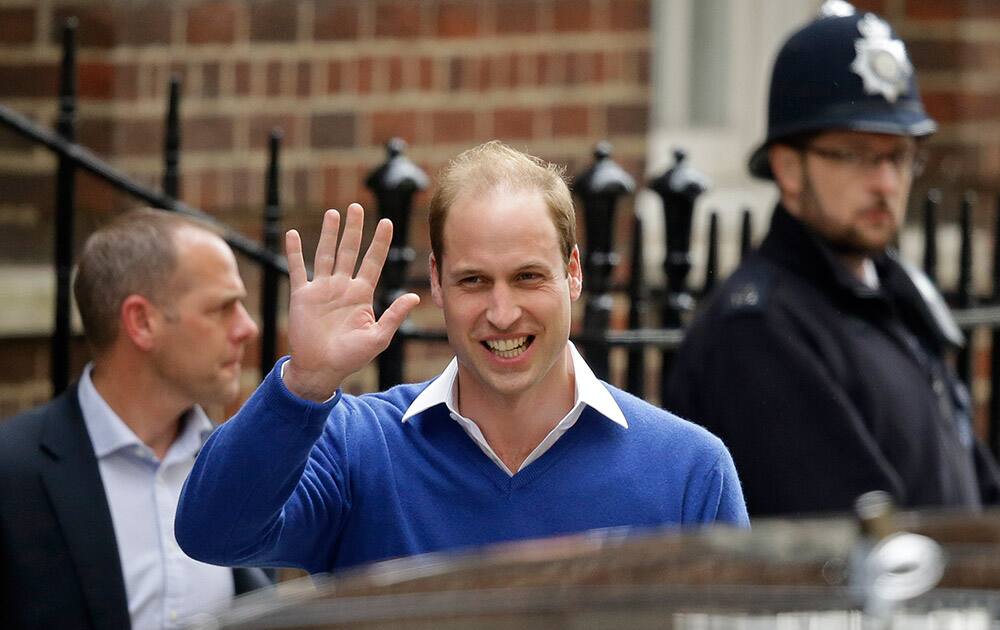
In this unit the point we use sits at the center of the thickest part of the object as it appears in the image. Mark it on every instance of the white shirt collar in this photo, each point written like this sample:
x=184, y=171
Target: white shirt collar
x=109, y=433
x=589, y=391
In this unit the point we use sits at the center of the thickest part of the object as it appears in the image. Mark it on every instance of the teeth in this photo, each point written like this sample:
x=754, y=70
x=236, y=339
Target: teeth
x=508, y=348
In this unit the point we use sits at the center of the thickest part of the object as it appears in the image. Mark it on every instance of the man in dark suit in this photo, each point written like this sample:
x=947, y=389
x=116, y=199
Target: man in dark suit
x=89, y=482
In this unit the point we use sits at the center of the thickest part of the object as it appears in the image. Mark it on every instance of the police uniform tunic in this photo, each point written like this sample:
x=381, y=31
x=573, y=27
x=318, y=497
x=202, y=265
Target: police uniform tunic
x=824, y=388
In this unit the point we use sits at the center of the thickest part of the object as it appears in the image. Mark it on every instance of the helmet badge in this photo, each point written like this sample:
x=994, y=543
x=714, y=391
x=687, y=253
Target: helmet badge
x=881, y=61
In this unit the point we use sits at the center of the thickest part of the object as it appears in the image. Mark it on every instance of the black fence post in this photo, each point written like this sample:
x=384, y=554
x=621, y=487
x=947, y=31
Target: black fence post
x=746, y=234
x=172, y=142
x=931, y=204
x=394, y=183
x=679, y=187
x=635, y=376
x=65, y=194
x=994, y=426
x=269, y=275
x=964, y=297
x=712, y=255
x=599, y=188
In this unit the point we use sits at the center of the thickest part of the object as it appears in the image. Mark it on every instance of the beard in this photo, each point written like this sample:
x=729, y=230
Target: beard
x=850, y=241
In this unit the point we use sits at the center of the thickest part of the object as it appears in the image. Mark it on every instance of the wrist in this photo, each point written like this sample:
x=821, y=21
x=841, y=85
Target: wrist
x=308, y=385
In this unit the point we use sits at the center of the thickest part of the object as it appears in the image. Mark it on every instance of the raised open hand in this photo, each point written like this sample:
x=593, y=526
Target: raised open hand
x=332, y=329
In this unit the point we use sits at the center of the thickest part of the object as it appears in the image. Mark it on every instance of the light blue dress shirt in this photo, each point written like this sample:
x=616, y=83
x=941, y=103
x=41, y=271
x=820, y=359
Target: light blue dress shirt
x=164, y=586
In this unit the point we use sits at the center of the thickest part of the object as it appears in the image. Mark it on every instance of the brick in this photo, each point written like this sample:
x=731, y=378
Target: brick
x=942, y=106
x=366, y=75
x=11, y=141
x=95, y=80
x=335, y=130
x=303, y=79
x=570, y=120
x=933, y=10
x=934, y=55
x=273, y=21
x=261, y=126
x=571, y=15
x=272, y=78
x=96, y=25
x=210, y=79
x=212, y=23
x=629, y=15
x=458, y=18
x=875, y=6
x=336, y=21
x=398, y=18
x=517, y=16
x=248, y=188
x=395, y=73
x=335, y=77
x=495, y=72
x=425, y=71
x=243, y=81
x=96, y=134
x=18, y=25
x=28, y=189
x=29, y=79
x=450, y=126
x=146, y=24
x=577, y=68
x=127, y=82
x=208, y=133
x=513, y=122
x=209, y=185
x=630, y=119
x=331, y=184
x=392, y=124
x=96, y=194
x=300, y=188
x=143, y=136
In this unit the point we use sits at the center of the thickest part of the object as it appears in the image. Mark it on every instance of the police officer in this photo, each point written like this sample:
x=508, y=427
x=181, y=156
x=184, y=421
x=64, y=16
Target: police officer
x=821, y=362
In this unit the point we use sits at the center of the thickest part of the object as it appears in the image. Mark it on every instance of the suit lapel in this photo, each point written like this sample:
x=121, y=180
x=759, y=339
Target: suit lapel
x=73, y=482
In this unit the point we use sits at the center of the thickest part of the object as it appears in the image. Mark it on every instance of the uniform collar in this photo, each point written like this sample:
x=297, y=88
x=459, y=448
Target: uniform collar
x=589, y=391
x=109, y=433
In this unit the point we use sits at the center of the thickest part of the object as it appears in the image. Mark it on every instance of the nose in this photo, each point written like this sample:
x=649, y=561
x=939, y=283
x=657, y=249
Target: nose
x=887, y=177
x=244, y=329
x=503, y=310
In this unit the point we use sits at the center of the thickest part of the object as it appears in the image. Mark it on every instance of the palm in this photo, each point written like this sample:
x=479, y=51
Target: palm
x=332, y=328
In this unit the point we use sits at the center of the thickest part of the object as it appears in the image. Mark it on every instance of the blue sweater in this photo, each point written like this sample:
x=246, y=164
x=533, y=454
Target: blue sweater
x=288, y=482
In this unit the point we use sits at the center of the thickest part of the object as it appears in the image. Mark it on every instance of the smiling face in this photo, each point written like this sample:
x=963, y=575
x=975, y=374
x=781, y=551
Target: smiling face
x=857, y=207
x=506, y=292
x=202, y=326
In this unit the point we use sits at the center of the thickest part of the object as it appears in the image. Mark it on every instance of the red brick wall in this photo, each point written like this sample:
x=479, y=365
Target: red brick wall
x=339, y=77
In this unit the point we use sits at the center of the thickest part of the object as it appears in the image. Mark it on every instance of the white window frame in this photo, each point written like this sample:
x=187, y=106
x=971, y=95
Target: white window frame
x=757, y=28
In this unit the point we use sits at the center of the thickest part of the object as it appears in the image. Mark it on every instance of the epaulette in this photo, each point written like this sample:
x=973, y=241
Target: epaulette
x=746, y=292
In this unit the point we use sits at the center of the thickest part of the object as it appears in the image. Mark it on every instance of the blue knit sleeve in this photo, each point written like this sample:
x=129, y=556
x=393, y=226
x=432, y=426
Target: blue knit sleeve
x=721, y=495
x=256, y=495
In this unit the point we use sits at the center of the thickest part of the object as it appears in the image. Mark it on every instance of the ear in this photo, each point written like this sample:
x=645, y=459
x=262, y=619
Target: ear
x=787, y=166
x=139, y=321
x=575, y=271
x=435, y=281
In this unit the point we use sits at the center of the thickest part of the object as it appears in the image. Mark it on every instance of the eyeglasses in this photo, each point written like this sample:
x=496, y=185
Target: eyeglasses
x=905, y=160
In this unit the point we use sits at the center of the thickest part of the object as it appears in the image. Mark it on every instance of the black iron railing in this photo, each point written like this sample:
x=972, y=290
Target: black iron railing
x=600, y=189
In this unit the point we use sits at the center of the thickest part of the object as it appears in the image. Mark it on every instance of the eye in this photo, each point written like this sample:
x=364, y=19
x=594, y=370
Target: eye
x=470, y=281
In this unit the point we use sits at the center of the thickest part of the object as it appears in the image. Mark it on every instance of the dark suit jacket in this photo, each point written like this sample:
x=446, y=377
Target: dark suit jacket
x=59, y=564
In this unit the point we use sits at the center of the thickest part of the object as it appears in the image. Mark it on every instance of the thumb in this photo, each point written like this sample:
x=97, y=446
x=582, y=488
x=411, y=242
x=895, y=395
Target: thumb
x=392, y=318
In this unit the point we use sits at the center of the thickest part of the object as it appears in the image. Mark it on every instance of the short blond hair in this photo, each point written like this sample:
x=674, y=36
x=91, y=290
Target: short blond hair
x=492, y=165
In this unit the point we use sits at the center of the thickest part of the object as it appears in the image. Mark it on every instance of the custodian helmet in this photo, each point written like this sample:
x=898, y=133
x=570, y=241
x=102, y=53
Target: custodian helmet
x=842, y=72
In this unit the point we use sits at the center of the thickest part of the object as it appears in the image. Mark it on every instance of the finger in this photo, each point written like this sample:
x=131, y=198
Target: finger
x=296, y=265
x=394, y=316
x=350, y=243
x=371, y=266
x=326, y=249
